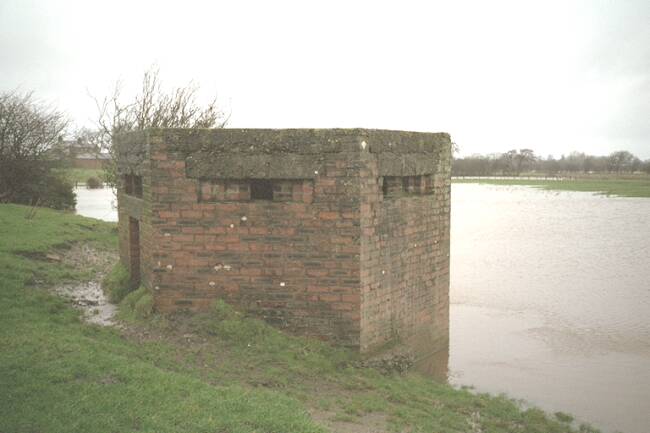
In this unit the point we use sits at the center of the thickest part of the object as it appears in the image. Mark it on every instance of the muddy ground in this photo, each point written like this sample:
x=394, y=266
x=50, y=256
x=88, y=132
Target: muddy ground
x=88, y=295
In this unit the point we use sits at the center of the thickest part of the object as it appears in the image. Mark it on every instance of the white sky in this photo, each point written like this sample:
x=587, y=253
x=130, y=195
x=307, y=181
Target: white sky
x=554, y=76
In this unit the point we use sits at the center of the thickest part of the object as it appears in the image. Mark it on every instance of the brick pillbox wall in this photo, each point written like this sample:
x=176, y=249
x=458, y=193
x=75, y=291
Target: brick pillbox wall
x=338, y=234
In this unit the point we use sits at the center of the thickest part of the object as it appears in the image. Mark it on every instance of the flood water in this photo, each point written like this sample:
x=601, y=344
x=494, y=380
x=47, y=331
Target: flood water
x=96, y=203
x=550, y=299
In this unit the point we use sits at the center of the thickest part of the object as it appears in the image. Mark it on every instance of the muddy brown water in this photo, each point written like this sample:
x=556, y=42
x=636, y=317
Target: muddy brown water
x=550, y=299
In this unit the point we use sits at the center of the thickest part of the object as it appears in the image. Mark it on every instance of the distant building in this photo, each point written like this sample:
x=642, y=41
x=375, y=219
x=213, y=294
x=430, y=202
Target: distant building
x=339, y=234
x=79, y=153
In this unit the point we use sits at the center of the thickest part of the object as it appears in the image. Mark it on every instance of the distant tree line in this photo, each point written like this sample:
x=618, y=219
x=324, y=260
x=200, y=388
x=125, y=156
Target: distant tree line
x=525, y=161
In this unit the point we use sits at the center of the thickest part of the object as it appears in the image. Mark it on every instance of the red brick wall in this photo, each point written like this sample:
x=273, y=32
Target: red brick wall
x=292, y=261
x=405, y=249
x=329, y=256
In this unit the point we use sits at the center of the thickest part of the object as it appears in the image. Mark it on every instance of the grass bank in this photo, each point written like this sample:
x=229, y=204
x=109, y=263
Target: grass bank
x=215, y=372
x=631, y=187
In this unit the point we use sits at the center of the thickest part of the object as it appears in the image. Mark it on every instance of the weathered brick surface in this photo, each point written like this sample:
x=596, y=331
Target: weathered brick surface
x=325, y=253
x=405, y=246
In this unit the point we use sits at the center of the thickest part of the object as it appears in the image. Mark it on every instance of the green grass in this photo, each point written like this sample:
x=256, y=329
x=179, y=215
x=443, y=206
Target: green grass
x=220, y=371
x=137, y=305
x=117, y=283
x=618, y=187
x=81, y=175
x=60, y=375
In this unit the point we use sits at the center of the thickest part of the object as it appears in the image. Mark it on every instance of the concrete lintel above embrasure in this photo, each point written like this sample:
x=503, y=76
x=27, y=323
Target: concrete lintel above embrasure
x=410, y=164
x=405, y=142
x=201, y=165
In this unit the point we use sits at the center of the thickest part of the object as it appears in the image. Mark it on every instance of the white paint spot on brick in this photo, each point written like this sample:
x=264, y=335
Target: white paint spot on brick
x=383, y=272
x=232, y=226
x=156, y=288
x=316, y=172
x=282, y=284
x=227, y=267
x=168, y=234
x=218, y=267
x=244, y=218
x=170, y=267
x=363, y=144
x=212, y=283
x=159, y=264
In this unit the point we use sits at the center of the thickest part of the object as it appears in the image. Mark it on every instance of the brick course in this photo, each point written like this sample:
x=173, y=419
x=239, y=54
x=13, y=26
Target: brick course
x=338, y=234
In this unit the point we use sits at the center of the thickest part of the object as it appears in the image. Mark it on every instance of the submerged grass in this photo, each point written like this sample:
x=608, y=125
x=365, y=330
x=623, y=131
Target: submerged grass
x=639, y=187
x=217, y=371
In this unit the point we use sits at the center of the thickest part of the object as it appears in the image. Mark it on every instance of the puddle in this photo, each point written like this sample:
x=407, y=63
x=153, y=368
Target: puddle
x=88, y=296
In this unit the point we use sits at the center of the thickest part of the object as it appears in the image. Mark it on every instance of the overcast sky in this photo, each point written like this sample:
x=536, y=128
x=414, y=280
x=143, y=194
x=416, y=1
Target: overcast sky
x=552, y=76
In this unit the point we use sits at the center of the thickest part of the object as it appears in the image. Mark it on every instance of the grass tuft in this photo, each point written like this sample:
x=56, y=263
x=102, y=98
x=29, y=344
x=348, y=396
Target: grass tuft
x=233, y=326
x=563, y=417
x=137, y=305
x=117, y=283
x=144, y=307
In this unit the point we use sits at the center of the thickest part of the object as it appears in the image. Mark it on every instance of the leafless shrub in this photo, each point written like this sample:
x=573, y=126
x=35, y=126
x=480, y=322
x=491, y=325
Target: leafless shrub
x=28, y=130
x=152, y=108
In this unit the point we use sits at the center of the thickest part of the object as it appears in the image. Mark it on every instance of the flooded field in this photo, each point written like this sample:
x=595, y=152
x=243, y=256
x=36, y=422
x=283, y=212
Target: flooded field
x=550, y=297
x=96, y=203
x=550, y=300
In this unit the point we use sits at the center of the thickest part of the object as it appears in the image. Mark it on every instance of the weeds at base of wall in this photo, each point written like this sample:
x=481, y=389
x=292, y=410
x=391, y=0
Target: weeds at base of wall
x=232, y=325
x=137, y=304
x=116, y=285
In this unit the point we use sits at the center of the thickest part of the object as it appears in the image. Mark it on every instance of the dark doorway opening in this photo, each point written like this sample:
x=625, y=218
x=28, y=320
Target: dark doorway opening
x=134, y=251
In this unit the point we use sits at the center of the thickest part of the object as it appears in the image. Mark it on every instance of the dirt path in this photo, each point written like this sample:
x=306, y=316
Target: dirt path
x=87, y=295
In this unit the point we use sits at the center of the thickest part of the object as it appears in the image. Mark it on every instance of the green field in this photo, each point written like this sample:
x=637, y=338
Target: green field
x=214, y=372
x=617, y=187
x=81, y=175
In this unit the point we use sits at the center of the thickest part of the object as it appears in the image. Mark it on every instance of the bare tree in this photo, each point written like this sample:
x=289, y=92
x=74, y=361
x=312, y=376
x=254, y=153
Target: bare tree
x=28, y=129
x=153, y=108
x=621, y=160
x=518, y=161
x=525, y=160
x=646, y=166
x=90, y=138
